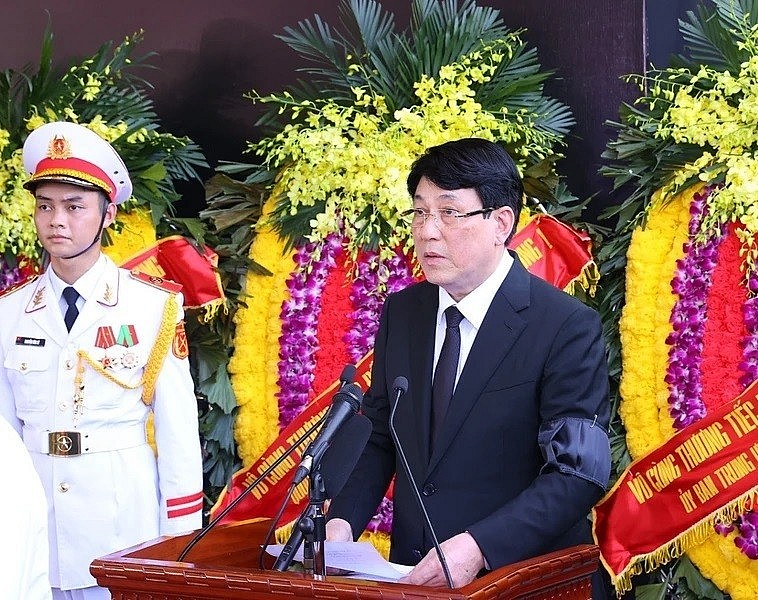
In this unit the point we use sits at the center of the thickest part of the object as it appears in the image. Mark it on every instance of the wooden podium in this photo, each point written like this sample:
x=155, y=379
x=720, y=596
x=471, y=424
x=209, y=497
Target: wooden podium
x=225, y=566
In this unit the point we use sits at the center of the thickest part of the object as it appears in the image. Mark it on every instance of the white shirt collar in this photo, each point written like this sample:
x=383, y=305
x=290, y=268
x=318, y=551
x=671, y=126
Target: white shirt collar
x=85, y=285
x=475, y=304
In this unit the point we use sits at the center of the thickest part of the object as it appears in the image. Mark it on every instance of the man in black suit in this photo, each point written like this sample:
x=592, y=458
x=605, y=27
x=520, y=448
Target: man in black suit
x=512, y=460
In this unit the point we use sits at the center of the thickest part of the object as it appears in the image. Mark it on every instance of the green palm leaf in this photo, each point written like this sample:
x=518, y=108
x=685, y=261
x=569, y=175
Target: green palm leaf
x=712, y=36
x=366, y=51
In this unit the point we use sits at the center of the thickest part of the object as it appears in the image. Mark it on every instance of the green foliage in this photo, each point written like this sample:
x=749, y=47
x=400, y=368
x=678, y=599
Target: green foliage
x=104, y=93
x=369, y=52
x=373, y=87
x=679, y=580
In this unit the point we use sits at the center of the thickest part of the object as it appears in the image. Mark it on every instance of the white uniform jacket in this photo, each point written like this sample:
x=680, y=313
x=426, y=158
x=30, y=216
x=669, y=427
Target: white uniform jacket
x=115, y=493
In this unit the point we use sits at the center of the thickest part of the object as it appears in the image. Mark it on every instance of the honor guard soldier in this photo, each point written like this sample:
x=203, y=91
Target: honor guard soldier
x=88, y=350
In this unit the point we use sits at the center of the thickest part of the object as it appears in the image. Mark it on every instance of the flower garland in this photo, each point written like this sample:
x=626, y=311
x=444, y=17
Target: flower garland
x=694, y=123
x=300, y=316
x=316, y=275
x=691, y=284
x=653, y=253
x=649, y=301
x=373, y=282
x=253, y=366
x=335, y=170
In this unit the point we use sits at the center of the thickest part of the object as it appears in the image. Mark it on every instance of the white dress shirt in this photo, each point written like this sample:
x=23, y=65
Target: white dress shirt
x=473, y=307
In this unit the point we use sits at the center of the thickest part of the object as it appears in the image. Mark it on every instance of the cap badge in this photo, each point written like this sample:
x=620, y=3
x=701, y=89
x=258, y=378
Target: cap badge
x=59, y=148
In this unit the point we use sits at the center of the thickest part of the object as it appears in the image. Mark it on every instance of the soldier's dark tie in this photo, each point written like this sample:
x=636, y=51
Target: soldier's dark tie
x=447, y=367
x=70, y=295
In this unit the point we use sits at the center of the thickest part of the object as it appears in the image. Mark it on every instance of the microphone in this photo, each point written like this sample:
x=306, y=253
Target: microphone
x=400, y=386
x=337, y=464
x=345, y=404
x=347, y=375
x=343, y=454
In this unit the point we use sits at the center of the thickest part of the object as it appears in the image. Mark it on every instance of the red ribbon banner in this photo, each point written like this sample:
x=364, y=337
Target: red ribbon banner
x=175, y=258
x=555, y=252
x=265, y=499
x=671, y=498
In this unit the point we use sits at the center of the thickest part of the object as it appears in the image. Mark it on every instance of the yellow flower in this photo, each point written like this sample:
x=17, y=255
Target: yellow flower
x=4, y=139
x=348, y=161
x=91, y=88
x=720, y=116
x=136, y=234
x=253, y=366
x=34, y=122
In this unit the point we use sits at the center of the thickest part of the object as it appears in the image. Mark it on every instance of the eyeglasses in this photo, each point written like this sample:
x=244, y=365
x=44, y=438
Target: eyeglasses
x=447, y=217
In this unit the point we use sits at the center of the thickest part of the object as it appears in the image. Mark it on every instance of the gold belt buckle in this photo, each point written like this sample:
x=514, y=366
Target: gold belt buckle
x=64, y=443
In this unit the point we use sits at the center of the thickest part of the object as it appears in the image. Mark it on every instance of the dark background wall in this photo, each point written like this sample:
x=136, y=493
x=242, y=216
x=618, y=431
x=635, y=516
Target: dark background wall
x=210, y=53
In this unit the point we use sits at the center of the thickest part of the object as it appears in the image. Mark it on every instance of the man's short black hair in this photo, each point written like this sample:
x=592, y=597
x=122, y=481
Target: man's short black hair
x=471, y=163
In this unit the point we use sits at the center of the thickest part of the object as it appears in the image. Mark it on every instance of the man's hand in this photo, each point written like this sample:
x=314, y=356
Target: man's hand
x=339, y=530
x=464, y=560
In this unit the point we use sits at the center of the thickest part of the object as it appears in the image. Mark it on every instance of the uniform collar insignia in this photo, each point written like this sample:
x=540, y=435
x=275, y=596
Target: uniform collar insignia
x=38, y=300
x=107, y=293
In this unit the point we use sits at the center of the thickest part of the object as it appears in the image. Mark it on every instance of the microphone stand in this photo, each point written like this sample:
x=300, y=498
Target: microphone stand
x=347, y=376
x=310, y=530
x=205, y=530
x=400, y=386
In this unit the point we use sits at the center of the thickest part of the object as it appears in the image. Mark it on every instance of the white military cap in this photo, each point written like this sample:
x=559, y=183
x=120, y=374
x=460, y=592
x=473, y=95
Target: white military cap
x=71, y=153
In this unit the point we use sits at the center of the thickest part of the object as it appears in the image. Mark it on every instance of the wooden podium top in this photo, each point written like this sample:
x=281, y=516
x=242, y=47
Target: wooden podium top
x=225, y=566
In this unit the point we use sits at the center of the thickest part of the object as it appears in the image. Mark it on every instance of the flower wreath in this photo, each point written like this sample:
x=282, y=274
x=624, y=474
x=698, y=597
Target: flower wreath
x=329, y=245
x=688, y=331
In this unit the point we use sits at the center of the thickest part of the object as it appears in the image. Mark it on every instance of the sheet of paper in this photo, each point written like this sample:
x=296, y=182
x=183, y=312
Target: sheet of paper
x=359, y=557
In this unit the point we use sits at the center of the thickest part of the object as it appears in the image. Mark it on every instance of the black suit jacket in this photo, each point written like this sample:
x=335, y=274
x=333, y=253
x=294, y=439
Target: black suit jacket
x=538, y=358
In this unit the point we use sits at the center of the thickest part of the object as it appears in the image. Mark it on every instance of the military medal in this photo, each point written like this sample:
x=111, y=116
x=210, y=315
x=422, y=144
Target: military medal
x=130, y=359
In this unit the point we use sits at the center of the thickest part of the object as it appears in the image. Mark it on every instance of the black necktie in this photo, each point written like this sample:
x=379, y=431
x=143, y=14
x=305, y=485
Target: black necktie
x=447, y=367
x=70, y=295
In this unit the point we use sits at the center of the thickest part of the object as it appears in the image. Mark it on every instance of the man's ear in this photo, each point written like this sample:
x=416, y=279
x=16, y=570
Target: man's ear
x=506, y=224
x=110, y=215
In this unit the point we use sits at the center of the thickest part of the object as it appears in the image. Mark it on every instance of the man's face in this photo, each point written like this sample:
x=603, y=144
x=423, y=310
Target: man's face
x=67, y=218
x=461, y=257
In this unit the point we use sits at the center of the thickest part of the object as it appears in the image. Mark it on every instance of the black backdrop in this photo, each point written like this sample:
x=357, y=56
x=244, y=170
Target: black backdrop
x=210, y=53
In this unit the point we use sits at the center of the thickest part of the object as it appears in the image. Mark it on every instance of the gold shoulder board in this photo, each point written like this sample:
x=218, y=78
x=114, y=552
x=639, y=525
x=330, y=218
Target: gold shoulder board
x=159, y=282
